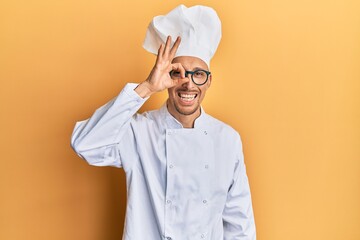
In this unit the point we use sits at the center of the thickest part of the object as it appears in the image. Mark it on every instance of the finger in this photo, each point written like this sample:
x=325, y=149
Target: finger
x=161, y=49
x=180, y=68
x=175, y=47
x=167, y=46
x=160, y=52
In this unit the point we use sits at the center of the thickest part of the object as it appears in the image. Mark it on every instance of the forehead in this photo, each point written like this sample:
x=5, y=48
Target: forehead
x=191, y=63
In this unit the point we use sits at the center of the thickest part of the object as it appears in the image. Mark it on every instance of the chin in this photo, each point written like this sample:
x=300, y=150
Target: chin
x=186, y=110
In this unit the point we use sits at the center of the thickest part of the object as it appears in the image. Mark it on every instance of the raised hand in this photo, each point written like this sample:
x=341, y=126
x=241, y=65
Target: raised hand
x=159, y=78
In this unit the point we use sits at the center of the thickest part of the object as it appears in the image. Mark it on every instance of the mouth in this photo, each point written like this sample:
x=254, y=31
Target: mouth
x=187, y=98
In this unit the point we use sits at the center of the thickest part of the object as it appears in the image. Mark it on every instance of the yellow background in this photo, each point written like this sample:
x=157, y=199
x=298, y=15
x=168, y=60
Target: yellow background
x=286, y=76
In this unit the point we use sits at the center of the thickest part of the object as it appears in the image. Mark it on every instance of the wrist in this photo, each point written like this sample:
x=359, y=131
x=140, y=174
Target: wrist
x=144, y=90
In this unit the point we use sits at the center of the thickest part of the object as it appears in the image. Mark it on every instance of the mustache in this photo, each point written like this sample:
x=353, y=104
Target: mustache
x=182, y=89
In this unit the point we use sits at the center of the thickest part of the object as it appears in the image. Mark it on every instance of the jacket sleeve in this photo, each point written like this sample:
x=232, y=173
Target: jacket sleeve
x=238, y=217
x=96, y=139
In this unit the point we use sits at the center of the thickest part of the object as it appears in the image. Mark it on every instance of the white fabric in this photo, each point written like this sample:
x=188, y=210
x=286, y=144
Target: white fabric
x=183, y=184
x=199, y=28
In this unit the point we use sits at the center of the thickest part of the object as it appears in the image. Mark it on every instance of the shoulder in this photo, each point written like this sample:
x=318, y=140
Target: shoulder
x=151, y=116
x=226, y=139
x=223, y=129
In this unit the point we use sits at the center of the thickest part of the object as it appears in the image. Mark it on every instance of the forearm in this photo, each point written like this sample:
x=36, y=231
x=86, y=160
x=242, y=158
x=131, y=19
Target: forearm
x=238, y=219
x=107, y=125
x=238, y=216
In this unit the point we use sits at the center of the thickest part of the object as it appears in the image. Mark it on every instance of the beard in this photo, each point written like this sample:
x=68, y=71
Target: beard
x=187, y=112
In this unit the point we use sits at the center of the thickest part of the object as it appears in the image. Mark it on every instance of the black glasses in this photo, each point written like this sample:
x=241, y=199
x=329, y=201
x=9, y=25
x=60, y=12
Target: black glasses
x=199, y=77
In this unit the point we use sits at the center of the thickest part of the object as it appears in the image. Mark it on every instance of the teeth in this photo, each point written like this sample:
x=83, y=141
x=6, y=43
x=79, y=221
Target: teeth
x=187, y=97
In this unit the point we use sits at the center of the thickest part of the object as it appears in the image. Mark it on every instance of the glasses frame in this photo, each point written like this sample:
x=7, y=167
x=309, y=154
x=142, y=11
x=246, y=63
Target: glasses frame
x=192, y=75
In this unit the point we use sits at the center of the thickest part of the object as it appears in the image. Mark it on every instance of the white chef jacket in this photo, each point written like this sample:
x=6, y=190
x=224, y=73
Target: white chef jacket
x=182, y=184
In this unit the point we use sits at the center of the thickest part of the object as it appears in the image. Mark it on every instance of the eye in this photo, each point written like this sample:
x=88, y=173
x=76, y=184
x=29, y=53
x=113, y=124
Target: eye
x=175, y=74
x=200, y=74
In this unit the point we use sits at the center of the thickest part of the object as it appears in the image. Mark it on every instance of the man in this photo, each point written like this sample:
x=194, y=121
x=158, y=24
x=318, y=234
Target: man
x=185, y=170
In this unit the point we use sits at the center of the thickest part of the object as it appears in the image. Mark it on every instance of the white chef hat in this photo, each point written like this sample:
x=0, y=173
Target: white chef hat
x=199, y=28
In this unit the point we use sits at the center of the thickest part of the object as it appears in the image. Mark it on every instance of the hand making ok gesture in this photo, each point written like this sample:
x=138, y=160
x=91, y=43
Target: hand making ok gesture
x=159, y=78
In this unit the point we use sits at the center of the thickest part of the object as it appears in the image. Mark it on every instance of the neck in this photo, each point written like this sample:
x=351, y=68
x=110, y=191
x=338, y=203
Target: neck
x=187, y=121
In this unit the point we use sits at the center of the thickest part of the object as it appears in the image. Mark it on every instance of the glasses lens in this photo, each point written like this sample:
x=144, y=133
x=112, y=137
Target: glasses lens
x=200, y=77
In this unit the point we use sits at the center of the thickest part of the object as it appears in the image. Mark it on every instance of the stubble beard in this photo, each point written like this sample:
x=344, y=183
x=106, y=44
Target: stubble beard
x=187, y=113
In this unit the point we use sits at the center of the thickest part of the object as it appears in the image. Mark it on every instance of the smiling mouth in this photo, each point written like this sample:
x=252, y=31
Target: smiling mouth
x=187, y=97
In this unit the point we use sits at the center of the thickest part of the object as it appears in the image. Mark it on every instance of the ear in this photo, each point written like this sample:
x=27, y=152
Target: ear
x=209, y=81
